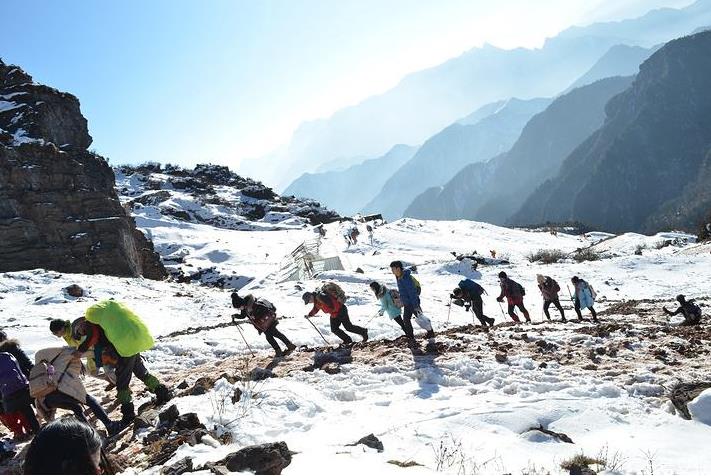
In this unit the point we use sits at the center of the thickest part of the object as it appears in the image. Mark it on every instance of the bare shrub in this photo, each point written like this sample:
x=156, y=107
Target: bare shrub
x=587, y=254
x=546, y=256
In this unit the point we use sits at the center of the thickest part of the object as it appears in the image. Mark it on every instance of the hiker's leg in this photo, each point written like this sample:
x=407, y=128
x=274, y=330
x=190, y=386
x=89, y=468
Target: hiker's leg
x=57, y=399
x=281, y=337
x=594, y=314
x=349, y=326
x=546, y=305
x=478, y=309
x=269, y=334
x=98, y=410
x=577, y=309
x=29, y=419
x=524, y=311
x=406, y=321
x=398, y=319
x=423, y=321
x=336, y=329
x=560, y=308
x=512, y=313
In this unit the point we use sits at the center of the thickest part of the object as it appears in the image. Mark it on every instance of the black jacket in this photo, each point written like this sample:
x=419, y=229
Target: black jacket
x=12, y=347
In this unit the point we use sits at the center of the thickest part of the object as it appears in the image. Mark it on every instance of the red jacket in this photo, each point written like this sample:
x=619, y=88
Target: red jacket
x=327, y=304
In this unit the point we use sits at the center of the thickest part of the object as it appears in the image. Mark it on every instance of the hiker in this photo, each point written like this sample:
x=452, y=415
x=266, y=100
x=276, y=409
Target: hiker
x=262, y=314
x=330, y=303
x=17, y=412
x=354, y=234
x=549, y=290
x=409, y=289
x=123, y=336
x=470, y=292
x=58, y=365
x=65, y=446
x=390, y=303
x=63, y=329
x=12, y=347
x=514, y=293
x=370, y=233
x=584, y=296
x=689, y=309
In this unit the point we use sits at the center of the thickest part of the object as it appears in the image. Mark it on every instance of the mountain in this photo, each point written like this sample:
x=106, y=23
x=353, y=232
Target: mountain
x=349, y=190
x=649, y=165
x=620, y=60
x=444, y=154
x=428, y=101
x=58, y=206
x=492, y=191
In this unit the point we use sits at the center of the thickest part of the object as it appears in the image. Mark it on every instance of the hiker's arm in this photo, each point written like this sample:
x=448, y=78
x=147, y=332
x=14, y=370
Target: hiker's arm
x=314, y=310
x=670, y=313
x=84, y=346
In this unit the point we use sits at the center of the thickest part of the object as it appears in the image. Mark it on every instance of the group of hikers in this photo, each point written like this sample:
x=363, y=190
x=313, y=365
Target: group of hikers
x=110, y=337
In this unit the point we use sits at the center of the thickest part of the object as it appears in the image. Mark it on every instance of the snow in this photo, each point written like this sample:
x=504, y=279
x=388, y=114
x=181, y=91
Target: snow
x=474, y=407
x=700, y=407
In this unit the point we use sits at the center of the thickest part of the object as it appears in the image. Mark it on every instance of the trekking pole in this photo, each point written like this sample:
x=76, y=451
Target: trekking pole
x=449, y=313
x=369, y=320
x=243, y=338
x=502, y=311
x=319, y=332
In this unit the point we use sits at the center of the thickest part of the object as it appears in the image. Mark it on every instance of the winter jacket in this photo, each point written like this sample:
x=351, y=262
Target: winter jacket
x=12, y=347
x=327, y=304
x=68, y=335
x=470, y=289
x=408, y=290
x=549, y=289
x=584, y=294
x=12, y=379
x=260, y=312
x=67, y=370
x=387, y=303
x=690, y=311
x=91, y=333
x=510, y=289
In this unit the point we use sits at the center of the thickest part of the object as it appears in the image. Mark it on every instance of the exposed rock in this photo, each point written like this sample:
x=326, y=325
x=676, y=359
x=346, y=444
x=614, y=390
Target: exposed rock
x=181, y=466
x=683, y=393
x=168, y=416
x=559, y=436
x=501, y=358
x=371, y=441
x=58, y=206
x=202, y=386
x=146, y=419
x=236, y=396
x=188, y=421
x=74, y=291
x=259, y=373
x=268, y=458
x=331, y=368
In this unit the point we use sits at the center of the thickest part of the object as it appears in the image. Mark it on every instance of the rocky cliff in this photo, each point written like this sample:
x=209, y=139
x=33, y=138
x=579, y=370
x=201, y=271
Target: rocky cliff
x=58, y=206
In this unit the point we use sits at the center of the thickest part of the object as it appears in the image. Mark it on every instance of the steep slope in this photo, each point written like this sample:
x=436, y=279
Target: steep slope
x=444, y=154
x=427, y=101
x=648, y=166
x=348, y=191
x=620, y=60
x=58, y=206
x=494, y=190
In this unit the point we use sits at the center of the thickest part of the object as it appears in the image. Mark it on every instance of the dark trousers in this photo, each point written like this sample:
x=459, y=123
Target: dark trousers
x=556, y=303
x=343, y=319
x=126, y=367
x=407, y=312
x=57, y=399
x=512, y=312
x=273, y=332
x=478, y=309
x=580, y=315
x=21, y=402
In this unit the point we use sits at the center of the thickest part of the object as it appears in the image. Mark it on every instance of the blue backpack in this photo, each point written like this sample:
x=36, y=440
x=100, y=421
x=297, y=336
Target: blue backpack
x=472, y=288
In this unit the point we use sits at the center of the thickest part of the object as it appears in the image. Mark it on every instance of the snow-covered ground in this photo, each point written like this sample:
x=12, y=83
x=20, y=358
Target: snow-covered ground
x=459, y=410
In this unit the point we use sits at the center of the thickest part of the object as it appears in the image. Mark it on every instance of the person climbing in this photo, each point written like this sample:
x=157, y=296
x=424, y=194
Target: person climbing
x=549, y=290
x=262, y=314
x=330, y=303
x=68, y=391
x=470, y=292
x=390, y=303
x=65, y=446
x=584, y=297
x=354, y=234
x=409, y=289
x=74, y=334
x=123, y=335
x=12, y=347
x=18, y=414
x=369, y=228
x=687, y=308
x=514, y=293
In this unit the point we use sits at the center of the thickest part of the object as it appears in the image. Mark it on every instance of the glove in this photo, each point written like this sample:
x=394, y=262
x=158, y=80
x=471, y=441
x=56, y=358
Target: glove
x=452, y=296
x=499, y=299
x=381, y=312
x=307, y=316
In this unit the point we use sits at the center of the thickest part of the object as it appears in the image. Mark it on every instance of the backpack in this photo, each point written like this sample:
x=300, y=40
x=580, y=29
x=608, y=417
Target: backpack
x=471, y=287
x=520, y=290
x=418, y=286
x=694, y=309
x=43, y=378
x=395, y=294
x=334, y=290
x=267, y=305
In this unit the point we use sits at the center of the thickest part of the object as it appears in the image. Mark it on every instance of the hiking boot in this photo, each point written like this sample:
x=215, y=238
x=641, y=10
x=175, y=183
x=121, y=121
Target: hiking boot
x=163, y=394
x=430, y=334
x=290, y=347
x=563, y=319
x=490, y=321
x=278, y=353
x=128, y=413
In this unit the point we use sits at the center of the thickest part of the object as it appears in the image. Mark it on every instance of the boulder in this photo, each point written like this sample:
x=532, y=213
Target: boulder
x=181, y=466
x=268, y=458
x=371, y=441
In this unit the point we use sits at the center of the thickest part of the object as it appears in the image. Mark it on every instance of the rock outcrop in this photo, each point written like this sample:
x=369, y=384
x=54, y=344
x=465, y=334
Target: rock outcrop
x=58, y=206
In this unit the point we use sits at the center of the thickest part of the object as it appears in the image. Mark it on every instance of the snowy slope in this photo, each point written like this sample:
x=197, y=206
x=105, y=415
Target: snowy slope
x=459, y=400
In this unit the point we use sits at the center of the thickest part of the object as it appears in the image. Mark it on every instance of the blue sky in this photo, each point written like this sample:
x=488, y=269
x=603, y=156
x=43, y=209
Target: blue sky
x=217, y=81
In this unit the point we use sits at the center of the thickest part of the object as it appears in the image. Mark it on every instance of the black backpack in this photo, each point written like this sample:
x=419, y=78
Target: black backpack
x=693, y=309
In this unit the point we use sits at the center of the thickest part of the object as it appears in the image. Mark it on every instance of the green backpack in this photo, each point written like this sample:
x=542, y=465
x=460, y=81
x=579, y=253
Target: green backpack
x=124, y=329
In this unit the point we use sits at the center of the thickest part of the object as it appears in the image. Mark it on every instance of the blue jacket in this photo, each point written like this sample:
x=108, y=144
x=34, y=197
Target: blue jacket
x=584, y=294
x=387, y=304
x=408, y=290
x=471, y=289
x=11, y=377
